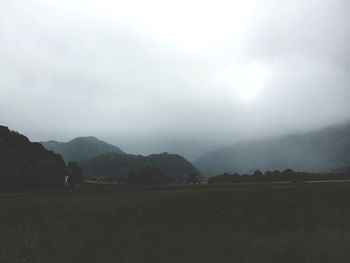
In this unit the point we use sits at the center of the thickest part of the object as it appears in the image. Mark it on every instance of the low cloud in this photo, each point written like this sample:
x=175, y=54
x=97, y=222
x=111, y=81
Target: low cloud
x=183, y=77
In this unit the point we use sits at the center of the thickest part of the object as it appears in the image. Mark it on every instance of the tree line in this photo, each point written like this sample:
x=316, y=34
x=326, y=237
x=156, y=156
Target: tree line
x=149, y=175
x=287, y=175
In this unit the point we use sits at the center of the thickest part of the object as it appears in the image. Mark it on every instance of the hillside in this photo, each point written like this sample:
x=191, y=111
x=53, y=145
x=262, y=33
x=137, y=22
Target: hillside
x=81, y=148
x=117, y=166
x=319, y=151
x=27, y=164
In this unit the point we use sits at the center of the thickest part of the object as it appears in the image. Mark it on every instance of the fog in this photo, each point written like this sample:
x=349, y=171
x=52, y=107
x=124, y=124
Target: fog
x=177, y=76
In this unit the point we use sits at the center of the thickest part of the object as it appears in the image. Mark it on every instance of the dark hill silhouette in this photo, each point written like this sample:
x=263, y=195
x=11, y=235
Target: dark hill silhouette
x=320, y=151
x=26, y=164
x=118, y=166
x=81, y=148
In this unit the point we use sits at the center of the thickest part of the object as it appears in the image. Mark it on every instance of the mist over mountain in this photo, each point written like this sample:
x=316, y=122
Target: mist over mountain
x=81, y=148
x=226, y=72
x=117, y=166
x=135, y=74
x=318, y=151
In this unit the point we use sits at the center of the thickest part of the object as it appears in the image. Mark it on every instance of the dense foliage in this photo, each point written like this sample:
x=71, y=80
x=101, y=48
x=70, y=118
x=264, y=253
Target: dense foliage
x=149, y=176
x=75, y=174
x=81, y=148
x=120, y=166
x=193, y=178
x=277, y=176
x=25, y=164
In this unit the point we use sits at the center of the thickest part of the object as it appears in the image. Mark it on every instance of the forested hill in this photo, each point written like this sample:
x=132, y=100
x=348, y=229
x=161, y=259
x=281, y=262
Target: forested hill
x=319, y=151
x=81, y=148
x=117, y=166
x=27, y=164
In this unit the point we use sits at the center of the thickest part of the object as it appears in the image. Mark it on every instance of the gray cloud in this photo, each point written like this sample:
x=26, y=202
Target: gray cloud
x=184, y=77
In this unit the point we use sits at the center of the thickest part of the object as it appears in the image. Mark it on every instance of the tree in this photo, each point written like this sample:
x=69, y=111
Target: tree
x=149, y=176
x=192, y=179
x=288, y=171
x=257, y=173
x=75, y=174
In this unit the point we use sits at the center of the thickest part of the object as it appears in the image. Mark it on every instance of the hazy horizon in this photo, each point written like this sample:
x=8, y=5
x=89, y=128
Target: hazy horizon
x=184, y=77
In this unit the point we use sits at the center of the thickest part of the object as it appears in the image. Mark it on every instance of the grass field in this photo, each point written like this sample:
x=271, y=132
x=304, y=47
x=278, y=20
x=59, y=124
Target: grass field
x=224, y=223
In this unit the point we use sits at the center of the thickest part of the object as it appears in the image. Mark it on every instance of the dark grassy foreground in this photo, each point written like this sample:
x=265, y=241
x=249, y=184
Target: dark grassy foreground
x=235, y=223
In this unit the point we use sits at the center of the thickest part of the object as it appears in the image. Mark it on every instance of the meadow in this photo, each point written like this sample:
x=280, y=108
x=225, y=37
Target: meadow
x=307, y=222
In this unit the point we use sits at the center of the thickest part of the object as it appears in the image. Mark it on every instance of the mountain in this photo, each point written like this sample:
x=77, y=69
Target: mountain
x=27, y=164
x=81, y=148
x=318, y=151
x=117, y=166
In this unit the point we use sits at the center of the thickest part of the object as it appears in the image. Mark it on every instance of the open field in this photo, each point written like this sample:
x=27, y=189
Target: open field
x=223, y=223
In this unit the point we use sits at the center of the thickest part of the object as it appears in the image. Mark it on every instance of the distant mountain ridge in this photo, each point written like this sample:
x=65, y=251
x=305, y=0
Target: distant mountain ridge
x=117, y=166
x=81, y=149
x=318, y=151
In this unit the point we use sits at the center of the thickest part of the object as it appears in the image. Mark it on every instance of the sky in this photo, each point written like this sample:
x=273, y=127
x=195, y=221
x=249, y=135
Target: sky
x=176, y=76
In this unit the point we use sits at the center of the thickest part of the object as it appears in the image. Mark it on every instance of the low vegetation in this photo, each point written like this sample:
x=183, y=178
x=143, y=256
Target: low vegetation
x=196, y=223
x=154, y=216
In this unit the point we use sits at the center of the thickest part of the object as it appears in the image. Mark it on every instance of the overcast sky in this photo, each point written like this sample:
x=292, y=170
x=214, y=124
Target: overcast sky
x=181, y=76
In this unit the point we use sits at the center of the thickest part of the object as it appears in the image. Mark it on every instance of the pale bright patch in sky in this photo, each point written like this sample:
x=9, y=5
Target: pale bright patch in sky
x=247, y=83
x=252, y=82
x=179, y=76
